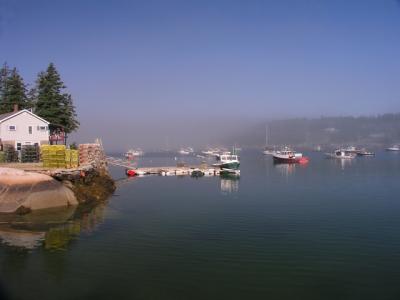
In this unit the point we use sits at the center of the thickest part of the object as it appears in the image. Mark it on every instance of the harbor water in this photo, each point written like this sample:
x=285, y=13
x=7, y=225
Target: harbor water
x=329, y=229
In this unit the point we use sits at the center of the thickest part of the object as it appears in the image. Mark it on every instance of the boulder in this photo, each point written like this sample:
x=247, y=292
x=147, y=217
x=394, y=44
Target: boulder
x=22, y=191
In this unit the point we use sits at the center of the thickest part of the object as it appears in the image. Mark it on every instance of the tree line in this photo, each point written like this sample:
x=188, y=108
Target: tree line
x=47, y=98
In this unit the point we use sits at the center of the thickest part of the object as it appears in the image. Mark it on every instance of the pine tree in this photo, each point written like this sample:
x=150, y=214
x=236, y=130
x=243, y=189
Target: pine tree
x=52, y=104
x=14, y=93
x=4, y=74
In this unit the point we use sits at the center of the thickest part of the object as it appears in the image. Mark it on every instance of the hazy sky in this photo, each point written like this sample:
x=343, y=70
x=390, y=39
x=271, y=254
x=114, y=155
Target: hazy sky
x=143, y=70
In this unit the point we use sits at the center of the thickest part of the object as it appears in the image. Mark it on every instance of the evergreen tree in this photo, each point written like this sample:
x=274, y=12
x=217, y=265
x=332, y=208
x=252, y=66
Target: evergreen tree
x=14, y=92
x=4, y=73
x=52, y=104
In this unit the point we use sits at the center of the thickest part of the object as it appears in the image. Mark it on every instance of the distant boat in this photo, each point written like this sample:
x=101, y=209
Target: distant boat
x=186, y=151
x=268, y=150
x=341, y=154
x=210, y=152
x=393, y=148
x=289, y=156
x=131, y=153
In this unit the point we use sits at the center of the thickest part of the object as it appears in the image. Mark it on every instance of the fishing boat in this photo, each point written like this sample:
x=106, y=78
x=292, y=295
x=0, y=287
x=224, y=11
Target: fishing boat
x=228, y=161
x=393, y=148
x=131, y=153
x=341, y=154
x=289, y=156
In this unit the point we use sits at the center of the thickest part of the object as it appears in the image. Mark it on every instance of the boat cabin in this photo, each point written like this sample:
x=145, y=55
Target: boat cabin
x=229, y=157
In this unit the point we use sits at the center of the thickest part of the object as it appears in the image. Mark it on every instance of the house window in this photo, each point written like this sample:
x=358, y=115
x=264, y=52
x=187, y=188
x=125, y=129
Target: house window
x=12, y=127
x=18, y=146
x=42, y=128
x=30, y=129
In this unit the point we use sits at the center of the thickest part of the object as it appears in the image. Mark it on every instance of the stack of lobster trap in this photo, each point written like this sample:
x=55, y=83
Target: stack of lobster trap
x=90, y=153
x=57, y=156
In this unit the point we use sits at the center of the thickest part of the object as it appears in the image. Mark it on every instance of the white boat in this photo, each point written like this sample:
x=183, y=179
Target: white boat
x=210, y=152
x=289, y=156
x=228, y=161
x=341, y=154
x=131, y=153
x=268, y=151
x=393, y=148
x=186, y=151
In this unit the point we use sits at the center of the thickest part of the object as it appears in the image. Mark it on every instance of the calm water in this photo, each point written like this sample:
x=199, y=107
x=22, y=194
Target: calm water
x=323, y=231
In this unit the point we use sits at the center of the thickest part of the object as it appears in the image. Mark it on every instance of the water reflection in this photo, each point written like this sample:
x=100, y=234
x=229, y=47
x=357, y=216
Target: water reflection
x=285, y=169
x=342, y=163
x=345, y=162
x=53, y=229
x=229, y=185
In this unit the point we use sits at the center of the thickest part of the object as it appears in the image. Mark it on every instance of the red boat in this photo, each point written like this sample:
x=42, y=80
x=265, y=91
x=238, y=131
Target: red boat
x=289, y=157
x=130, y=172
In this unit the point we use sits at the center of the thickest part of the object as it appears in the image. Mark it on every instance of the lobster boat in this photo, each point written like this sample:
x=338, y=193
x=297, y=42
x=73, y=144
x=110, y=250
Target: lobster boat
x=289, y=157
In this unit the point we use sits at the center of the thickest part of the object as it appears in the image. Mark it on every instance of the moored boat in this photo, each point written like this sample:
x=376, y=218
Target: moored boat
x=289, y=156
x=186, y=151
x=131, y=153
x=393, y=148
x=268, y=150
x=228, y=161
x=341, y=154
x=197, y=173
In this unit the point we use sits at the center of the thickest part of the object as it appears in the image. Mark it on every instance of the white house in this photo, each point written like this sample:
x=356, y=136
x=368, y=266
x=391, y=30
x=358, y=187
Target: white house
x=22, y=127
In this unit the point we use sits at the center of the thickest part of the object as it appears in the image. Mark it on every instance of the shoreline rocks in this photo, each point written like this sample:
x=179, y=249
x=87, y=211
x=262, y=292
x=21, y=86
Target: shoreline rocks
x=22, y=191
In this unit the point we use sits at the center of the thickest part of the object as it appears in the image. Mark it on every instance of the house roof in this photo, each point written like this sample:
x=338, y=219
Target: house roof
x=10, y=115
x=6, y=115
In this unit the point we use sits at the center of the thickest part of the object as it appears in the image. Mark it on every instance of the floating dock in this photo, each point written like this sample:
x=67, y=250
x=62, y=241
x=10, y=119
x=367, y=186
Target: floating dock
x=195, y=170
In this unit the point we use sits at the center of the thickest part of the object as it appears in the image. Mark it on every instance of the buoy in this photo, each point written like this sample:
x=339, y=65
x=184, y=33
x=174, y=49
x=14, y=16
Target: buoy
x=303, y=160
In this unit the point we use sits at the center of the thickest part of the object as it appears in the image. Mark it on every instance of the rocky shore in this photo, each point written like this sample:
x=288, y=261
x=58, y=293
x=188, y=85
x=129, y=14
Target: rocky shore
x=23, y=191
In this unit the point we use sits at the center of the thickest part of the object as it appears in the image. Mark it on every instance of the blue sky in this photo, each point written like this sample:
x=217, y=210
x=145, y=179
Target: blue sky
x=185, y=63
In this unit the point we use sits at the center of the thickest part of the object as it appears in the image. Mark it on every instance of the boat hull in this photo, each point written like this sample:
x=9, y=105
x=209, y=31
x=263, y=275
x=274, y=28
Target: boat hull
x=230, y=165
x=286, y=159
